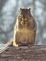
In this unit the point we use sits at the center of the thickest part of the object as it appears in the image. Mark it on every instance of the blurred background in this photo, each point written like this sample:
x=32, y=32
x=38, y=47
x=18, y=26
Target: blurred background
x=8, y=12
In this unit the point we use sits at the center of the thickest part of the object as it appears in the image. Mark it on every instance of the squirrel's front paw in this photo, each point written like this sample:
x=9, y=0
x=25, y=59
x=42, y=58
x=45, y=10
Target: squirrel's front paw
x=14, y=44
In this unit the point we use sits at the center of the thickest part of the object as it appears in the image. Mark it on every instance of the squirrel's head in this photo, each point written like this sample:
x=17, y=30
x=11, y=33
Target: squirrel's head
x=24, y=12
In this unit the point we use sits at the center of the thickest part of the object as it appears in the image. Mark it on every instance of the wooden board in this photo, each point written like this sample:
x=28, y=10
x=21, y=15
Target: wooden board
x=24, y=53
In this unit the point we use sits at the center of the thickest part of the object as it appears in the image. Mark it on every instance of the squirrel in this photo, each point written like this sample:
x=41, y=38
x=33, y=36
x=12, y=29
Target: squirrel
x=25, y=29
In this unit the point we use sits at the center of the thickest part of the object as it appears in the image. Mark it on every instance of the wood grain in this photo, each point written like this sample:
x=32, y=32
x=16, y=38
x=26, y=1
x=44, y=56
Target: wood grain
x=24, y=53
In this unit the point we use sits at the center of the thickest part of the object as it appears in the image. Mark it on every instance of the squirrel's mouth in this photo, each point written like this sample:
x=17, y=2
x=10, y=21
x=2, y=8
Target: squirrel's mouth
x=24, y=22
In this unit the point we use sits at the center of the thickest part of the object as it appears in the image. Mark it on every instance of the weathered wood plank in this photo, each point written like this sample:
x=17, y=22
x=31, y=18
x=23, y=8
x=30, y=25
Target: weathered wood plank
x=35, y=53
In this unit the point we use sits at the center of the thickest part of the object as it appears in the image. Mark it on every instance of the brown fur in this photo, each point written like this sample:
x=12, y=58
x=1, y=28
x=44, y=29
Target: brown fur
x=25, y=29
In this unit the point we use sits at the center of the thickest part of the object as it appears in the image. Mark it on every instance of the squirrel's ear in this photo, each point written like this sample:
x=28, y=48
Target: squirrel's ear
x=20, y=8
x=29, y=8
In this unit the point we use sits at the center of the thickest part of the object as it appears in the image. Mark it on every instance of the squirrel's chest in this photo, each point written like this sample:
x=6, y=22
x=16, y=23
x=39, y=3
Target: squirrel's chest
x=25, y=33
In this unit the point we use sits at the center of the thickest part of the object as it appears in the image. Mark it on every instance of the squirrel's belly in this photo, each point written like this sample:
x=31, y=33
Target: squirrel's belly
x=24, y=36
